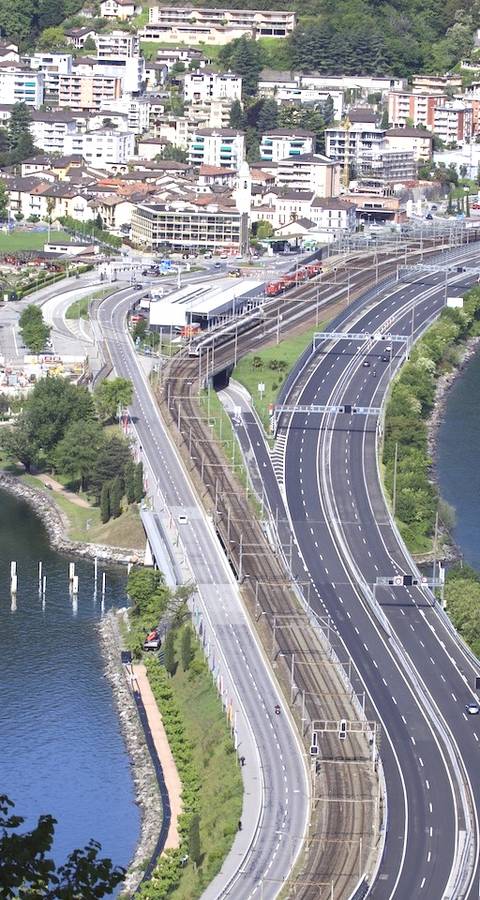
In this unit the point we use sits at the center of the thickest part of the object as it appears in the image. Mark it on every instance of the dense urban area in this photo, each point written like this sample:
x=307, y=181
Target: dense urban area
x=239, y=286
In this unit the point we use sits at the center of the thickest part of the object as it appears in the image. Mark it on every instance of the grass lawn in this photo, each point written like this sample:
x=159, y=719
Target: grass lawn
x=29, y=240
x=79, y=308
x=85, y=524
x=286, y=354
x=221, y=791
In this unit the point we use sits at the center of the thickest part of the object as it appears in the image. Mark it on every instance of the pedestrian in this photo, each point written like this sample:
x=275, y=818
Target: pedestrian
x=242, y=761
x=239, y=826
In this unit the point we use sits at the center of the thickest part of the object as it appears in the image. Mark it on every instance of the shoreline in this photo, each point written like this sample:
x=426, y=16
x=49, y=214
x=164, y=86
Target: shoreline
x=56, y=525
x=146, y=786
x=451, y=551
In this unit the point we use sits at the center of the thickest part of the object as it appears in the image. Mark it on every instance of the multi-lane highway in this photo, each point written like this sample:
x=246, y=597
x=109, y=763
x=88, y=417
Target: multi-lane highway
x=276, y=787
x=417, y=676
x=346, y=538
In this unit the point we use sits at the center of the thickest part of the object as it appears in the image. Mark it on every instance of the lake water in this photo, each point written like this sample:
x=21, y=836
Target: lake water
x=61, y=747
x=458, y=460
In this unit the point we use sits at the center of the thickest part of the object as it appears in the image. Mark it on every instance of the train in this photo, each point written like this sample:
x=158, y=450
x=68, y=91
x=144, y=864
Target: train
x=292, y=279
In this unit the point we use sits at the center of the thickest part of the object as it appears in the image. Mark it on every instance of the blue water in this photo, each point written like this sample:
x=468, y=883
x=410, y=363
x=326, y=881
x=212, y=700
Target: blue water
x=61, y=747
x=458, y=459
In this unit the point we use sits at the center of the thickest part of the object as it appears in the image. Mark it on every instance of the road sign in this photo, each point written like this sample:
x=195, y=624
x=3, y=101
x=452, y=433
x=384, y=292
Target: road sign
x=166, y=263
x=261, y=388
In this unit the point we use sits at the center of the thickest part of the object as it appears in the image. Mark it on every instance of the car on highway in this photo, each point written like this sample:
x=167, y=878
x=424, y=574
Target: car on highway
x=385, y=358
x=366, y=364
x=183, y=519
x=473, y=709
x=388, y=349
x=217, y=265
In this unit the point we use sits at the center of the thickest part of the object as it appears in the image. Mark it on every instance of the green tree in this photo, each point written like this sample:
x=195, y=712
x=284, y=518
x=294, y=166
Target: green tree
x=267, y=118
x=16, y=443
x=27, y=870
x=129, y=476
x=35, y=332
x=77, y=452
x=4, y=201
x=89, y=46
x=172, y=152
x=169, y=652
x=139, y=489
x=116, y=494
x=51, y=407
x=52, y=39
x=237, y=117
x=112, y=459
x=194, y=848
x=186, y=647
x=140, y=330
x=245, y=57
x=20, y=140
x=263, y=230
x=111, y=396
x=105, y=502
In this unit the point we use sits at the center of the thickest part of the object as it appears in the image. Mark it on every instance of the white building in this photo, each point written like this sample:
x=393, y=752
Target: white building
x=52, y=65
x=192, y=25
x=136, y=109
x=130, y=70
x=102, y=148
x=21, y=85
x=117, y=43
x=310, y=172
x=281, y=143
x=204, y=85
x=452, y=122
x=118, y=9
x=356, y=145
x=182, y=225
x=223, y=147
x=50, y=130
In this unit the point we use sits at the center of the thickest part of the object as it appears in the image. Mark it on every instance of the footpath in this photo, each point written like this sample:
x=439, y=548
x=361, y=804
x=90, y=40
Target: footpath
x=170, y=774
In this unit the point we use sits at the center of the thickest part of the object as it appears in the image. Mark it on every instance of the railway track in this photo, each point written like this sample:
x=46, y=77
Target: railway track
x=342, y=840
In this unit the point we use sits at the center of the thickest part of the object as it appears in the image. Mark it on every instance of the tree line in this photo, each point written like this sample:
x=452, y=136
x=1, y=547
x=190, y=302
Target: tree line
x=61, y=429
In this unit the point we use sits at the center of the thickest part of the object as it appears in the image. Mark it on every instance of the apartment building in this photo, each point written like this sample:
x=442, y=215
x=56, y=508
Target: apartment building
x=204, y=85
x=281, y=143
x=136, y=110
x=50, y=130
x=354, y=145
x=413, y=109
x=310, y=172
x=182, y=225
x=192, y=25
x=78, y=36
x=102, y=148
x=89, y=92
x=174, y=130
x=437, y=83
x=414, y=140
x=271, y=81
x=453, y=122
x=119, y=9
x=118, y=43
x=393, y=166
x=52, y=65
x=222, y=147
x=186, y=55
x=19, y=84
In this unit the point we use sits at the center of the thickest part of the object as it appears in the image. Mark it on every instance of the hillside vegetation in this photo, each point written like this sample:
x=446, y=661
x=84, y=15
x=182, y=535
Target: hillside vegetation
x=371, y=36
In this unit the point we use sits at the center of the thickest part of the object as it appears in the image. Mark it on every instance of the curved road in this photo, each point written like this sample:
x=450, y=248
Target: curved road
x=276, y=790
x=345, y=535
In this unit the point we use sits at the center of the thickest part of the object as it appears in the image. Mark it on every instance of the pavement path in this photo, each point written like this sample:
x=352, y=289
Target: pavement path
x=50, y=482
x=170, y=774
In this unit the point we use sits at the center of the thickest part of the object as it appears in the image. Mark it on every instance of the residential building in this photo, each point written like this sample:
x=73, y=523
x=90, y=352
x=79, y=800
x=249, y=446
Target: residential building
x=272, y=81
x=148, y=148
x=89, y=92
x=174, y=130
x=214, y=26
x=204, y=85
x=223, y=147
x=186, y=55
x=50, y=129
x=136, y=110
x=130, y=70
x=52, y=65
x=413, y=109
x=414, y=140
x=102, y=148
x=78, y=36
x=18, y=84
x=453, y=122
x=119, y=9
x=304, y=95
x=183, y=225
x=118, y=44
x=280, y=143
x=212, y=177
x=395, y=166
x=354, y=145
x=310, y=172
x=432, y=83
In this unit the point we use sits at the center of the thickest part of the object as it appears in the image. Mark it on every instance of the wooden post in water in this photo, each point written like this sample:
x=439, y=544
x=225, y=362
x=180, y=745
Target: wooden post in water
x=71, y=572
x=40, y=567
x=13, y=578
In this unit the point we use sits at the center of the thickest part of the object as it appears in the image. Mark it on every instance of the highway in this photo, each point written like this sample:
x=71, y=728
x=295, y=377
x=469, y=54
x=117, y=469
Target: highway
x=276, y=788
x=346, y=538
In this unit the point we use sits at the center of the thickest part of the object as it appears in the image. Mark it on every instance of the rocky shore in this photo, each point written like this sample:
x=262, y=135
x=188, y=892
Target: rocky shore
x=146, y=785
x=56, y=524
